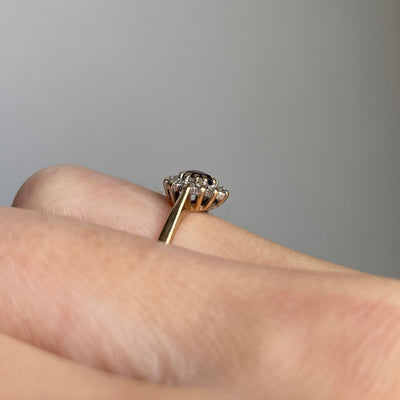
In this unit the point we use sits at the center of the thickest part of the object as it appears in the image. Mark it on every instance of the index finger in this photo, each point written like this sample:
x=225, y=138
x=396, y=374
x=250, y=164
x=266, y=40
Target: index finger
x=89, y=195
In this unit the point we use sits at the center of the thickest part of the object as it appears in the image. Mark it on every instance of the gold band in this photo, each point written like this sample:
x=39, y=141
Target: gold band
x=171, y=224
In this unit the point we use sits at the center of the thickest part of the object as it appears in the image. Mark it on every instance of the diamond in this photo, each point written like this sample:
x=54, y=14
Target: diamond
x=221, y=196
x=177, y=186
x=194, y=191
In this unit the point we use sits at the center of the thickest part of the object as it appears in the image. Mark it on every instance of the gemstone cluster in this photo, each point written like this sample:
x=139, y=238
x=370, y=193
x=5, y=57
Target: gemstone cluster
x=205, y=191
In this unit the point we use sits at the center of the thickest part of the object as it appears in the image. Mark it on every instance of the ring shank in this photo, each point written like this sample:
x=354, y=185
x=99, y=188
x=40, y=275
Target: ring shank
x=171, y=224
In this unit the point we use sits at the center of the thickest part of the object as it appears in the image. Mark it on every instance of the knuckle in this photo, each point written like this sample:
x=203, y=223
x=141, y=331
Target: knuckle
x=46, y=187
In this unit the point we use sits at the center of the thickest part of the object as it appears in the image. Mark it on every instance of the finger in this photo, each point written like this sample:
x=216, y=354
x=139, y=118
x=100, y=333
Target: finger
x=28, y=373
x=92, y=196
x=166, y=314
x=117, y=301
x=128, y=304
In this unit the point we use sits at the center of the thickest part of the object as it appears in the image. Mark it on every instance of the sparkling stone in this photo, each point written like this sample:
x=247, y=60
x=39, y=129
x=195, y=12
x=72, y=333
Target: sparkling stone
x=210, y=191
x=194, y=191
x=221, y=196
x=177, y=186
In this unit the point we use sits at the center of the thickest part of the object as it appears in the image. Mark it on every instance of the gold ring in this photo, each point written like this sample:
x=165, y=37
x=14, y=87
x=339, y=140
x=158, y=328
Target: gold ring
x=193, y=191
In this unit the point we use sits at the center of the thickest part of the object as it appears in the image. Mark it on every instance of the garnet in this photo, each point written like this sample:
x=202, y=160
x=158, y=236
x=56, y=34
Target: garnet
x=191, y=175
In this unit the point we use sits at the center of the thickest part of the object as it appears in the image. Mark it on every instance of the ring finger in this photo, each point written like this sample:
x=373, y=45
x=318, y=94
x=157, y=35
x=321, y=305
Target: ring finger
x=85, y=194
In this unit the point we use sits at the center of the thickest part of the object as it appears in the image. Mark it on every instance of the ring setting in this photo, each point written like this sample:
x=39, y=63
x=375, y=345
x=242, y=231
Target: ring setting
x=205, y=192
x=190, y=190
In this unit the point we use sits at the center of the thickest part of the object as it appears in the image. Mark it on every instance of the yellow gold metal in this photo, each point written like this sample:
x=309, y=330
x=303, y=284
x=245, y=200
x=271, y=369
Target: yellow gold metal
x=224, y=200
x=213, y=197
x=172, y=222
x=165, y=184
x=199, y=200
x=171, y=193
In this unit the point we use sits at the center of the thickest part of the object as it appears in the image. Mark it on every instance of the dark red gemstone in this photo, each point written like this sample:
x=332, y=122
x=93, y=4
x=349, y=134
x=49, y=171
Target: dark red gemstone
x=193, y=174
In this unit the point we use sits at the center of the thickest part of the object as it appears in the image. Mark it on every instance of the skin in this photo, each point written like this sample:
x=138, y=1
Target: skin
x=93, y=302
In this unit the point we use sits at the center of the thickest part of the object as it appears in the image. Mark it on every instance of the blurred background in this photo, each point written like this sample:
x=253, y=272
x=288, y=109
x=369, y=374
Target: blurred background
x=294, y=105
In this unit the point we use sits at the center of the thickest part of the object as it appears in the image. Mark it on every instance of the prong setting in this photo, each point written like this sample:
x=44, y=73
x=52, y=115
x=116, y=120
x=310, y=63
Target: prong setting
x=205, y=192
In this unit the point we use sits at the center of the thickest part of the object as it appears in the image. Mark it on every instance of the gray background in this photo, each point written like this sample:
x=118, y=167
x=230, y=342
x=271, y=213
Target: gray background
x=295, y=105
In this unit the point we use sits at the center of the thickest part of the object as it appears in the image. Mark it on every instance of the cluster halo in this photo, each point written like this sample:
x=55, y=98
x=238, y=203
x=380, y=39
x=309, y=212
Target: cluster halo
x=205, y=191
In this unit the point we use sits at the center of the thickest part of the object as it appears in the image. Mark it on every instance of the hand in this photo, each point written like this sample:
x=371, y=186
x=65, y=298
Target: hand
x=223, y=310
